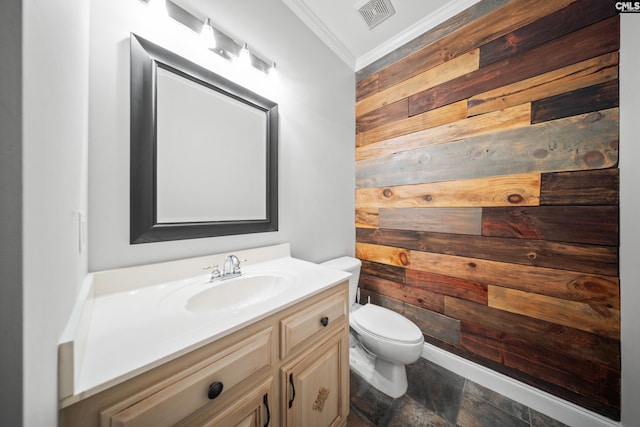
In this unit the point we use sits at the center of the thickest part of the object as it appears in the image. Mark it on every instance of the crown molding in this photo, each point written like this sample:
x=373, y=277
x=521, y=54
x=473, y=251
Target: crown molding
x=430, y=21
x=311, y=20
x=302, y=11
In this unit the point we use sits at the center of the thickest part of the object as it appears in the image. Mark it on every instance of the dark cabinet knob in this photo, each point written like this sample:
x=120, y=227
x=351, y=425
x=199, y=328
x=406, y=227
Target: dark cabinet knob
x=324, y=321
x=215, y=389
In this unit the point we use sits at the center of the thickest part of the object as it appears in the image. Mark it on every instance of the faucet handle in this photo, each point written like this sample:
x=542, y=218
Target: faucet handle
x=215, y=271
x=236, y=264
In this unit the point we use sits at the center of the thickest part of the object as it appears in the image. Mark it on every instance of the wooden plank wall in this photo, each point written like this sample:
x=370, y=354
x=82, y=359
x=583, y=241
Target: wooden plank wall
x=487, y=192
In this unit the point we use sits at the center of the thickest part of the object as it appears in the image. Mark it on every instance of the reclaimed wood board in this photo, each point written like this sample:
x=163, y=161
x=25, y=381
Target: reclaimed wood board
x=390, y=112
x=565, y=21
x=582, y=142
x=600, y=260
x=446, y=285
x=367, y=217
x=595, y=40
x=584, y=100
x=434, y=118
x=598, y=319
x=430, y=78
x=444, y=220
x=383, y=254
x=568, y=285
x=540, y=334
x=597, y=225
x=419, y=297
x=575, y=76
x=592, y=187
x=514, y=190
x=453, y=130
x=469, y=37
x=366, y=86
x=383, y=271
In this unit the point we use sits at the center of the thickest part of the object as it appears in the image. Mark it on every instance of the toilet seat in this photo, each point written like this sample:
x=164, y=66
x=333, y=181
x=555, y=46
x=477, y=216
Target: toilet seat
x=383, y=323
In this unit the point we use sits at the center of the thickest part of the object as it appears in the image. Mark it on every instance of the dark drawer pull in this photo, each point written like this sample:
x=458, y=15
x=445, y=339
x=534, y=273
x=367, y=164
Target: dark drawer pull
x=324, y=321
x=215, y=389
x=293, y=391
x=265, y=400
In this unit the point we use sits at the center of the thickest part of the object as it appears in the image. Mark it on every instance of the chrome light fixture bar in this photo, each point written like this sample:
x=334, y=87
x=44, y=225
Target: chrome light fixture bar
x=225, y=46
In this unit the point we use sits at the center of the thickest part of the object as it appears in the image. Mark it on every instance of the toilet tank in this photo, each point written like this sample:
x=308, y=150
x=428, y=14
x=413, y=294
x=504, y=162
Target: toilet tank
x=350, y=265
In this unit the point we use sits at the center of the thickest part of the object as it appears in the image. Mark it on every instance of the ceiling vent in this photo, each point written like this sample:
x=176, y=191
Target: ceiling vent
x=375, y=11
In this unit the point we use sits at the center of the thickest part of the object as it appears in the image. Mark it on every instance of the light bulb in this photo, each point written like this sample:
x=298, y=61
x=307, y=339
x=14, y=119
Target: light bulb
x=244, y=57
x=207, y=37
x=273, y=71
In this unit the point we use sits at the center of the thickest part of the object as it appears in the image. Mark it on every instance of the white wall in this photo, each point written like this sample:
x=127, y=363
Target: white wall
x=55, y=129
x=316, y=103
x=629, y=216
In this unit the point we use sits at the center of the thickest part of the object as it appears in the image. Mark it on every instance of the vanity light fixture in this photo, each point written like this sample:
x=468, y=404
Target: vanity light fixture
x=216, y=40
x=207, y=37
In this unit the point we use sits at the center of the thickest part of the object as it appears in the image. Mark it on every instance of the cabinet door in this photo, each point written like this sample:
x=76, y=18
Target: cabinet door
x=315, y=387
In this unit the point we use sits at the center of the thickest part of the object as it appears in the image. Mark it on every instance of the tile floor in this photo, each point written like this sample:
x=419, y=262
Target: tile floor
x=439, y=398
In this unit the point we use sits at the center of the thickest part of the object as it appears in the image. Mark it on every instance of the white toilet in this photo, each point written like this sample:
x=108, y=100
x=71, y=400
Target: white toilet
x=382, y=341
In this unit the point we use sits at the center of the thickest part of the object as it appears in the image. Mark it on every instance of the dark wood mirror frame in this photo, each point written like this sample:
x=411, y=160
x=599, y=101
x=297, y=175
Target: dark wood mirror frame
x=146, y=57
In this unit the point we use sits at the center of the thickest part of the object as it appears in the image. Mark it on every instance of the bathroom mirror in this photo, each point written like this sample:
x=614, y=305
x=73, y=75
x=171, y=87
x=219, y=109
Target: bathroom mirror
x=204, y=151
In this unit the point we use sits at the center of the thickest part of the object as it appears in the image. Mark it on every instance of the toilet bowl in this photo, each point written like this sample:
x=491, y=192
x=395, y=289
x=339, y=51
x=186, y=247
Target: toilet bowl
x=382, y=341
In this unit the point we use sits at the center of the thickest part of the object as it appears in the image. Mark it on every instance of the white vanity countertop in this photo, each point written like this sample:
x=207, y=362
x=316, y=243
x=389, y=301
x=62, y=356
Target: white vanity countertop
x=120, y=331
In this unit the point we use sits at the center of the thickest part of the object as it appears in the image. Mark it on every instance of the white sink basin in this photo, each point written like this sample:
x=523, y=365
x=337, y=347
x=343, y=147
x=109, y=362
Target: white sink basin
x=240, y=292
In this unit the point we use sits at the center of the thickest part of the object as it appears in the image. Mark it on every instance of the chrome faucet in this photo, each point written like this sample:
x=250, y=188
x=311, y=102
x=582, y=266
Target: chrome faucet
x=230, y=269
x=231, y=266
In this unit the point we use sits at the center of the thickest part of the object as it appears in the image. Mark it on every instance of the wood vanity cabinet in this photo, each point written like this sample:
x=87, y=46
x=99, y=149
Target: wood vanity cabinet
x=315, y=383
x=290, y=369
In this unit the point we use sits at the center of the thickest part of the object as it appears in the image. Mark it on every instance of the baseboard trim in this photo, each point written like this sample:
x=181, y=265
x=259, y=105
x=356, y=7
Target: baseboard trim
x=552, y=406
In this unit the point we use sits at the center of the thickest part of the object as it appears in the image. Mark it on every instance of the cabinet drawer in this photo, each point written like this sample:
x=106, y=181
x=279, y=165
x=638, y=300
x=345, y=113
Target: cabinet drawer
x=187, y=395
x=308, y=323
x=253, y=409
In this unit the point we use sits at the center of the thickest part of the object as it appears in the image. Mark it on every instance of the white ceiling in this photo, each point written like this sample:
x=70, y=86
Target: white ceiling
x=339, y=25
